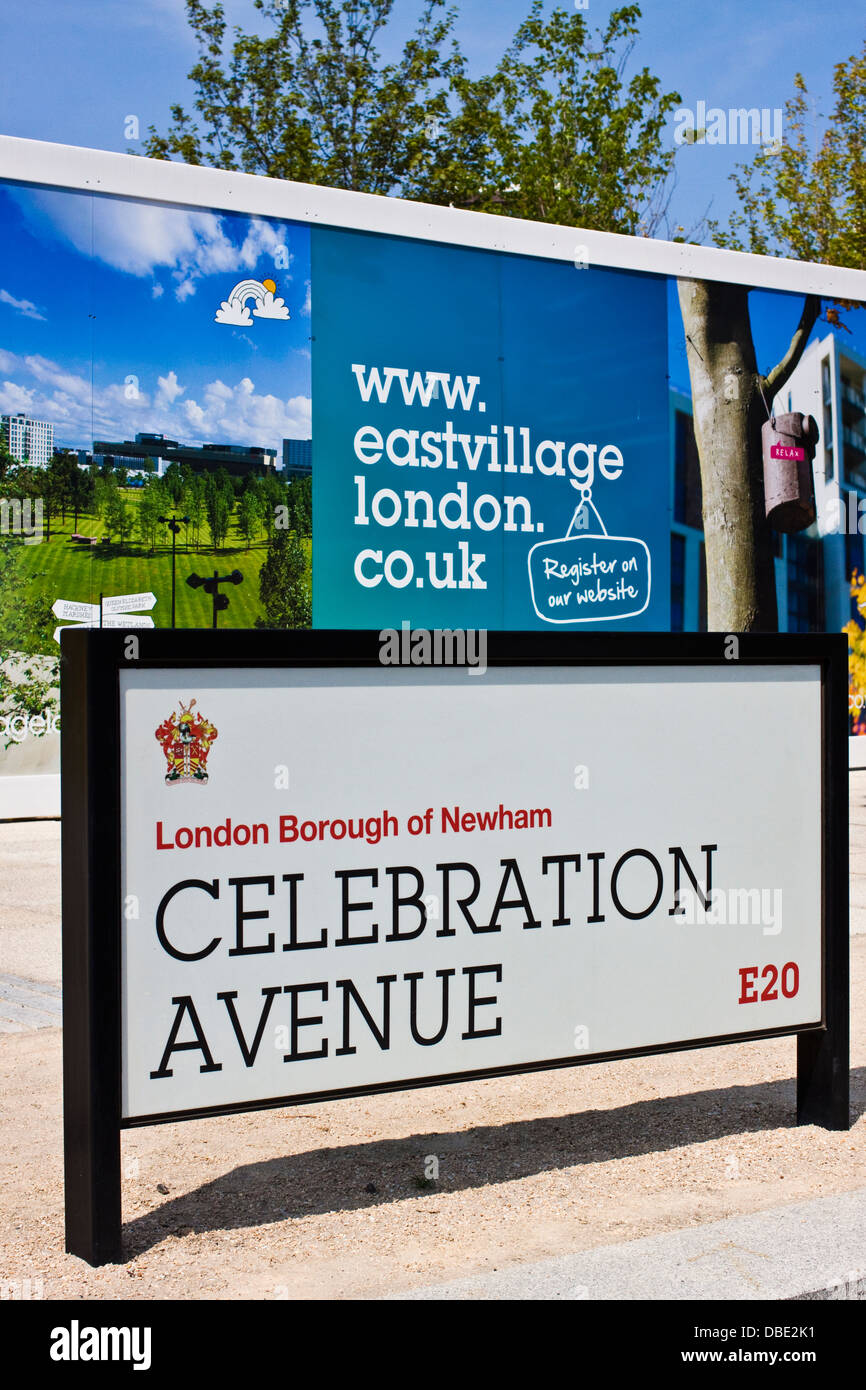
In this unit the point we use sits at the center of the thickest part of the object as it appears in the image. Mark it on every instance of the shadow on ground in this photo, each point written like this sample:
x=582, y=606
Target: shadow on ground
x=339, y=1178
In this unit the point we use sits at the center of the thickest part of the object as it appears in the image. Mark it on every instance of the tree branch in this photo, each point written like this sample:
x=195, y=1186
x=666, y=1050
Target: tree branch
x=775, y=380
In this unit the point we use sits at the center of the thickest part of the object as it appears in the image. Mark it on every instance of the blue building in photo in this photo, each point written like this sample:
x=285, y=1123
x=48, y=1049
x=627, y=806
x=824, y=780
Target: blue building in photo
x=297, y=459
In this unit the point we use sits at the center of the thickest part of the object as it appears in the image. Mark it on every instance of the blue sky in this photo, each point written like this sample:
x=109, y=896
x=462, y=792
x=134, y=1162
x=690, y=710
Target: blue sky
x=73, y=72
x=126, y=340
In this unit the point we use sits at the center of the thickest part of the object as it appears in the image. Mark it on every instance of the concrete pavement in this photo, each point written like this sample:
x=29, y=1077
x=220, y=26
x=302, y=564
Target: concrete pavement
x=811, y=1250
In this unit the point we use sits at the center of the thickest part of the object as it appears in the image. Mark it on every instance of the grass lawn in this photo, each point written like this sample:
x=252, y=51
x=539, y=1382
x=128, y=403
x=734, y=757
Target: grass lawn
x=67, y=569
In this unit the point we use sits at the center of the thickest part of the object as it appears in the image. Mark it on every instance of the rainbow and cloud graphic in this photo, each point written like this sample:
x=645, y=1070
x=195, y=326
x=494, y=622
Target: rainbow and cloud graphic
x=235, y=312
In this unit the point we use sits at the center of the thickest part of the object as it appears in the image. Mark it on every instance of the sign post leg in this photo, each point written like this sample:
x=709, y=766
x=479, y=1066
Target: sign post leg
x=822, y=1080
x=92, y=1181
x=91, y=967
x=823, y=1058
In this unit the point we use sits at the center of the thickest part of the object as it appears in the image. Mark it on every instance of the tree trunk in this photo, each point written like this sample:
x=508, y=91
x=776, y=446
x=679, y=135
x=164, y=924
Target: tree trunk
x=728, y=415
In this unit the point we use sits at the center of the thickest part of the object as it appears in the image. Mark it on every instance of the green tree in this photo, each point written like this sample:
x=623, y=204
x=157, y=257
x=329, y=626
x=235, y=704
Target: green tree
x=808, y=199
x=82, y=492
x=150, y=508
x=7, y=460
x=26, y=481
x=102, y=489
x=273, y=494
x=26, y=623
x=218, y=508
x=29, y=669
x=300, y=506
x=59, y=479
x=248, y=515
x=115, y=512
x=172, y=481
x=316, y=107
x=194, y=504
x=284, y=585
x=553, y=132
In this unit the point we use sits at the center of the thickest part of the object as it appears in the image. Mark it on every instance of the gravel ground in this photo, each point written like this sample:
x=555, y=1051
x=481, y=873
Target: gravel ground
x=332, y=1201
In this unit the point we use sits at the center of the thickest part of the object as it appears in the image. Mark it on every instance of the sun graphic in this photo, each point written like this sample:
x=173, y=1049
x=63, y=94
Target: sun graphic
x=269, y=285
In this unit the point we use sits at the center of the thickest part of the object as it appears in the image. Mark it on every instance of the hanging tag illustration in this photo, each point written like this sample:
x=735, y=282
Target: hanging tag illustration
x=589, y=576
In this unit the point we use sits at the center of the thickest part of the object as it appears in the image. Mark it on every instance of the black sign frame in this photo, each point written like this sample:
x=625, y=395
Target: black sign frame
x=91, y=662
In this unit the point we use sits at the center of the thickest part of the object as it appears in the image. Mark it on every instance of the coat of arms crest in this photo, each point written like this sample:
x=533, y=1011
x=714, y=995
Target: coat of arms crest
x=186, y=740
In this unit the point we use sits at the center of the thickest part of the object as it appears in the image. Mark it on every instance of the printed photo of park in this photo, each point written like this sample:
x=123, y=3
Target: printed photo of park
x=155, y=435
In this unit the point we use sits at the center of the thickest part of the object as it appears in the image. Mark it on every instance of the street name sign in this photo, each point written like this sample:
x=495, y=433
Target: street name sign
x=293, y=873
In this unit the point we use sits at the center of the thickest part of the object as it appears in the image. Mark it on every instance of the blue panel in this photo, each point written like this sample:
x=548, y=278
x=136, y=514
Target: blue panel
x=552, y=392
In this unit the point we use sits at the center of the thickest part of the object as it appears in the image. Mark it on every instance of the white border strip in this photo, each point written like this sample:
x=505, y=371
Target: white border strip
x=157, y=180
x=32, y=797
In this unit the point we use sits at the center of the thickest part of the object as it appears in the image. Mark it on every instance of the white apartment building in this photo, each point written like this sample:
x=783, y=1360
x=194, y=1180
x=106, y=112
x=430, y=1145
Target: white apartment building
x=29, y=441
x=829, y=383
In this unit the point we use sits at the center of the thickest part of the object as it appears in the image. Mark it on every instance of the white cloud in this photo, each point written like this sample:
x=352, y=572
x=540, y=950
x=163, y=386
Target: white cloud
x=265, y=239
x=140, y=238
x=21, y=306
x=271, y=308
x=49, y=373
x=233, y=313
x=14, y=398
x=223, y=412
x=238, y=415
x=169, y=389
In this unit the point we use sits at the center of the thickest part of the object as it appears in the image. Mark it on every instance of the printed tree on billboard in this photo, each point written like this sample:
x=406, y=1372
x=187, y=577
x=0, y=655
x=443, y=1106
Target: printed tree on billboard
x=730, y=401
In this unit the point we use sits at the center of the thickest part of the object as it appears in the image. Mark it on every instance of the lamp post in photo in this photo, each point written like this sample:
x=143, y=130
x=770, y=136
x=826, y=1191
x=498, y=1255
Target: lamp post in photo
x=174, y=524
x=211, y=586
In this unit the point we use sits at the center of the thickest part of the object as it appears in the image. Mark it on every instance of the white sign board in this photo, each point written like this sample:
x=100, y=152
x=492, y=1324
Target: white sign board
x=127, y=620
x=348, y=878
x=128, y=603
x=76, y=612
